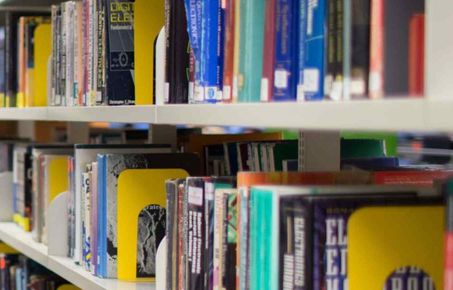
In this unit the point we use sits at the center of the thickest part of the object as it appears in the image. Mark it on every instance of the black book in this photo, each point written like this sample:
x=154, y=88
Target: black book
x=120, y=87
x=177, y=47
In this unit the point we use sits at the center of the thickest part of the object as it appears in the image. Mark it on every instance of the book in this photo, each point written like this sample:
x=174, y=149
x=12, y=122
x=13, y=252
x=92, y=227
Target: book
x=448, y=240
x=120, y=86
x=416, y=55
x=377, y=30
x=22, y=198
x=229, y=11
x=314, y=51
x=267, y=80
x=177, y=60
x=414, y=230
x=251, y=39
x=84, y=154
x=286, y=25
x=109, y=171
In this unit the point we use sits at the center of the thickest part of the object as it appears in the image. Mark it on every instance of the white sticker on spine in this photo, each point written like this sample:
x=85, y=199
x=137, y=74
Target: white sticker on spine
x=311, y=80
x=196, y=196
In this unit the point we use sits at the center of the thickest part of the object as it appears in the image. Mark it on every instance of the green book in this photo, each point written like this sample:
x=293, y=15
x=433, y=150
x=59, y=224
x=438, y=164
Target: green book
x=251, y=50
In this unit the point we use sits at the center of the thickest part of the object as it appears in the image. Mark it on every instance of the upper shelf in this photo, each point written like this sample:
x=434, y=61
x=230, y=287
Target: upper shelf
x=403, y=114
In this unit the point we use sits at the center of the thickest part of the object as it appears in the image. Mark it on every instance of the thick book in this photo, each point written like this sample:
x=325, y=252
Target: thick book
x=250, y=71
x=111, y=166
x=286, y=26
x=120, y=74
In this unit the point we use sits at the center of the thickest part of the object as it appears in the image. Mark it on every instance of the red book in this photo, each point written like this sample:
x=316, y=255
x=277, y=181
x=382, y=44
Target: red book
x=417, y=55
x=376, y=78
x=267, y=80
x=419, y=178
x=228, y=71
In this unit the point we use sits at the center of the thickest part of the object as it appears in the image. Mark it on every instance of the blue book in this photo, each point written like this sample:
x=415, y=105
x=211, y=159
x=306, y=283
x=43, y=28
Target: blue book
x=102, y=217
x=286, y=44
x=210, y=45
x=314, y=50
x=194, y=15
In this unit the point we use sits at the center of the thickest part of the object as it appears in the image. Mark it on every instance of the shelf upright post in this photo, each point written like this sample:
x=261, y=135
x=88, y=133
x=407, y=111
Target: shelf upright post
x=439, y=49
x=163, y=134
x=319, y=151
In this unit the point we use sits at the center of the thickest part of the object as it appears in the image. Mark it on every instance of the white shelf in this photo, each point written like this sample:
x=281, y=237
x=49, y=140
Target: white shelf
x=12, y=235
x=393, y=114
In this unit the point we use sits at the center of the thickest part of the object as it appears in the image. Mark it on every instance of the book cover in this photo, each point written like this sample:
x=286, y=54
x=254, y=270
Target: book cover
x=120, y=75
x=114, y=165
x=314, y=51
x=230, y=240
x=267, y=81
x=284, y=85
x=416, y=55
x=42, y=51
x=86, y=217
x=94, y=219
x=415, y=230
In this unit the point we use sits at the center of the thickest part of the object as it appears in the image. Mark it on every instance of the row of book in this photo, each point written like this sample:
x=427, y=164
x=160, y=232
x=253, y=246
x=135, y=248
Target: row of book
x=18, y=272
x=278, y=50
x=300, y=230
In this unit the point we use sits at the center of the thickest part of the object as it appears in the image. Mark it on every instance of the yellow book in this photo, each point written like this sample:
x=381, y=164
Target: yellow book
x=68, y=287
x=384, y=239
x=38, y=75
x=5, y=249
x=149, y=19
x=141, y=194
x=57, y=176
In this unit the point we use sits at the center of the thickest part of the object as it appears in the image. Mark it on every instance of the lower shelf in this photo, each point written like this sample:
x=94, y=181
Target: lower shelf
x=64, y=267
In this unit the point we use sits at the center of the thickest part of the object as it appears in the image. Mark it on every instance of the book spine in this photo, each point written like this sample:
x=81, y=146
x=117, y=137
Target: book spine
x=267, y=80
x=86, y=226
x=170, y=232
x=196, y=236
x=376, y=77
x=230, y=238
x=51, y=97
x=252, y=39
x=237, y=45
x=20, y=97
x=63, y=52
x=284, y=86
x=210, y=45
x=448, y=266
x=209, y=234
x=100, y=65
x=243, y=240
x=94, y=219
x=181, y=223
x=416, y=55
x=314, y=54
x=120, y=86
x=102, y=218
x=333, y=80
x=168, y=43
x=194, y=14
x=218, y=234
x=294, y=251
x=359, y=48
x=228, y=7
x=9, y=60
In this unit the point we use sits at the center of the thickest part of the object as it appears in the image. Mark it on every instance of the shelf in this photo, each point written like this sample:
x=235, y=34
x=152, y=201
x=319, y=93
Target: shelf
x=392, y=114
x=64, y=267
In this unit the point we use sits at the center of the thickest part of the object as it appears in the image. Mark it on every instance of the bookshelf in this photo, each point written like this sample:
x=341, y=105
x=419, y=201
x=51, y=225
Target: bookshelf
x=12, y=235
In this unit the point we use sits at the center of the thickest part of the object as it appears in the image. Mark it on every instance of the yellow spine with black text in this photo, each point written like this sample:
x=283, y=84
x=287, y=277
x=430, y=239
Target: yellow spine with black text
x=141, y=200
x=149, y=18
x=382, y=240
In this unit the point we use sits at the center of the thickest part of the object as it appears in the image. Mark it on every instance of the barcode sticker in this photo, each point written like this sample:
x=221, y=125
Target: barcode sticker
x=281, y=79
x=300, y=93
x=264, y=90
x=167, y=92
x=226, y=93
x=311, y=80
x=195, y=196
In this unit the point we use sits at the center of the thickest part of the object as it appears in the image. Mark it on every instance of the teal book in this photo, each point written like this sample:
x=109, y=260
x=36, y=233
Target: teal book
x=251, y=50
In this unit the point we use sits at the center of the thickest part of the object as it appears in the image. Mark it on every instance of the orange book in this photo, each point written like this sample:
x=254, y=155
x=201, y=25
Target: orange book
x=417, y=55
x=376, y=77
